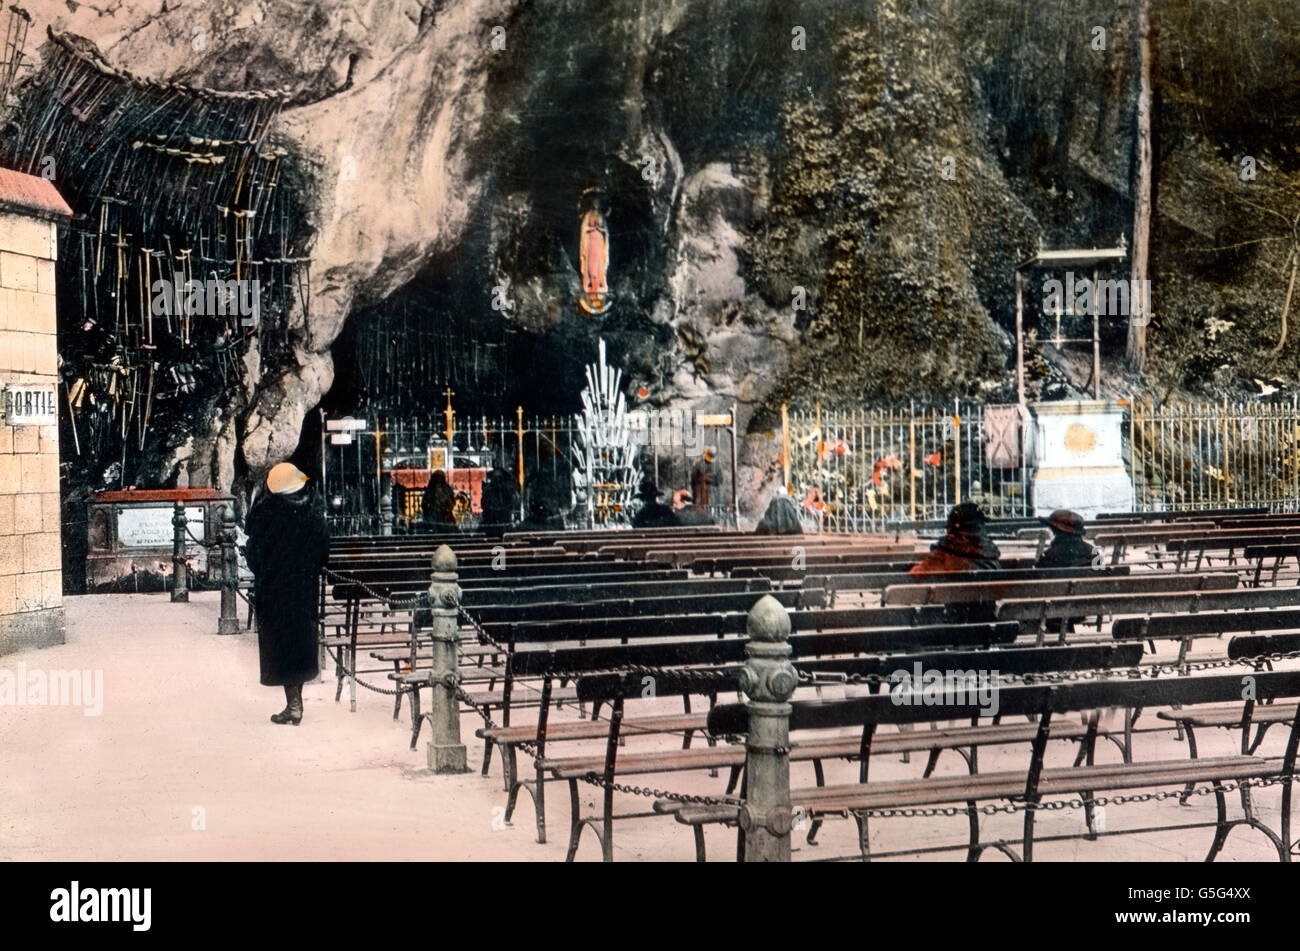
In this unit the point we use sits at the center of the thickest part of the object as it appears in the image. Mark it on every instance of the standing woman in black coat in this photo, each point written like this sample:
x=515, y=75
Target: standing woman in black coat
x=288, y=545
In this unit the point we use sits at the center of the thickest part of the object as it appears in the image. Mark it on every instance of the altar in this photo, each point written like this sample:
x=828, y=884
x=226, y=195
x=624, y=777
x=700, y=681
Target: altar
x=411, y=483
x=409, y=475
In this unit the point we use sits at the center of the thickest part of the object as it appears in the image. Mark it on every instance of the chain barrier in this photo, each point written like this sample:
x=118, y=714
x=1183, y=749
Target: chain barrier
x=1149, y=671
x=210, y=546
x=482, y=710
x=1056, y=805
x=650, y=793
x=352, y=675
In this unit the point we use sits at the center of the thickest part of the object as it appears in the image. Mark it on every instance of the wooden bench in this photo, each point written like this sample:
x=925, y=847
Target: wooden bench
x=835, y=583
x=392, y=630
x=1258, y=554
x=553, y=660
x=1035, y=783
x=889, y=626
x=1244, y=713
x=982, y=590
x=965, y=740
x=605, y=614
x=1034, y=612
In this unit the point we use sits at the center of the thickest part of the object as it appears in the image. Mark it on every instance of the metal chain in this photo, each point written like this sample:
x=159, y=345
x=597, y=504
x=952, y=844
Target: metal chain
x=479, y=630
x=355, y=679
x=482, y=711
x=1056, y=805
x=396, y=604
x=198, y=541
x=650, y=793
x=813, y=677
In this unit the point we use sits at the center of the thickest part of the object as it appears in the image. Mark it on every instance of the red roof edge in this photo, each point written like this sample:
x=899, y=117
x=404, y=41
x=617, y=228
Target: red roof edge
x=196, y=494
x=29, y=195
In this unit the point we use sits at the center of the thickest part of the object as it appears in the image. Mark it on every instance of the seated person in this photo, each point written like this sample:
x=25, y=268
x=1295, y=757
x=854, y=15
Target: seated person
x=1068, y=549
x=439, y=504
x=498, y=499
x=965, y=547
x=781, y=517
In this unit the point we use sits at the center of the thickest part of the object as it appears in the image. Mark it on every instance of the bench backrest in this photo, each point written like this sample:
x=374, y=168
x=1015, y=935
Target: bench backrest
x=628, y=607
x=1166, y=602
x=685, y=587
x=717, y=679
x=869, y=581
x=1262, y=645
x=1202, y=624
x=549, y=657
x=733, y=718
x=720, y=625
x=981, y=590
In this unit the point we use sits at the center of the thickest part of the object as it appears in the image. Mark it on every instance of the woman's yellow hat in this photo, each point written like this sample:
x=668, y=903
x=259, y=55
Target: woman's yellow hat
x=285, y=478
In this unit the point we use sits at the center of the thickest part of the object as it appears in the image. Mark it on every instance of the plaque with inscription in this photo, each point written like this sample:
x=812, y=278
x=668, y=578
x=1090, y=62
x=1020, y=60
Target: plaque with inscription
x=152, y=527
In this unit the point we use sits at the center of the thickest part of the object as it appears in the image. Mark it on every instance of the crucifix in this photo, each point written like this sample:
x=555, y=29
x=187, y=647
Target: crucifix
x=451, y=416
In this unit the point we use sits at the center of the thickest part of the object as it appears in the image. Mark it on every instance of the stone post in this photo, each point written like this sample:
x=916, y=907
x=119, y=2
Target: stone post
x=229, y=621
x=180, y=571
x=768, y=680
x=446, y=751
x=385, y=511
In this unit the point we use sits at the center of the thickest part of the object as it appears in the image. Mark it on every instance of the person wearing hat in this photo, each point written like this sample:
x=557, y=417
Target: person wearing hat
x=288, y=545
x=653, y=513
x=964, y=547
x=1068, y=549
x=705, y=477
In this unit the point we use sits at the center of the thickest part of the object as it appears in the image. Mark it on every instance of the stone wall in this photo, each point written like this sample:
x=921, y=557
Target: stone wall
x=31, y=579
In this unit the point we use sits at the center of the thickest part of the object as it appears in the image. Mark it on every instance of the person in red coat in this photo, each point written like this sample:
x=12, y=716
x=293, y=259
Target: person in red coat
x=965, y=547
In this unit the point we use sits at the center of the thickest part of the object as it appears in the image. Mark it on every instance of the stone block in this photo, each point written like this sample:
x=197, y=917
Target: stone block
x=27, y=516
x=34, y=629
x=26, y=438
x=8, y=587
x=51, y=514
x=18, y=271
x=52, y=588
x=10, y=474
x=30, y=592
x=38, y=475
x=39, y=313
x=21, y=234
x=45, y=277
x=11, y=554
x=7, y=515
x=41, y=553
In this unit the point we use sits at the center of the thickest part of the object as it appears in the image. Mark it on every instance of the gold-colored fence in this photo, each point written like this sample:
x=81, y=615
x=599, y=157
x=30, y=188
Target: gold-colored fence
x=1215, y=455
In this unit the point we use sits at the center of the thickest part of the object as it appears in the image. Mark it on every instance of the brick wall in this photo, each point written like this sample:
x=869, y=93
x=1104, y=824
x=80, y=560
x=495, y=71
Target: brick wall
x=31, y=580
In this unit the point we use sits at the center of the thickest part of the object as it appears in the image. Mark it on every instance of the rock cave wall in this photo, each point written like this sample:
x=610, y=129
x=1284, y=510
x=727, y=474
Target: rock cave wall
x=894, y=169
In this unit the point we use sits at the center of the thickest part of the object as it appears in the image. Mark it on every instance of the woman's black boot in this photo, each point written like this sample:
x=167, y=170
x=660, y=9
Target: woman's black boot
x=292, y=713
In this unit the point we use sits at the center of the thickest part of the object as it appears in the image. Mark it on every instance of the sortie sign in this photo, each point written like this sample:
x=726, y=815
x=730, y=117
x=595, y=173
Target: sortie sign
x=29, y=404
